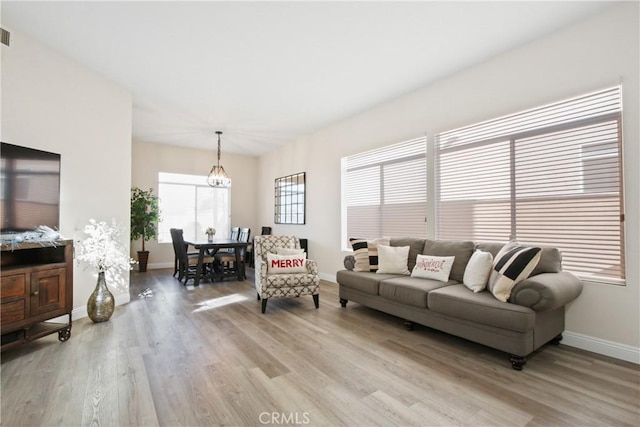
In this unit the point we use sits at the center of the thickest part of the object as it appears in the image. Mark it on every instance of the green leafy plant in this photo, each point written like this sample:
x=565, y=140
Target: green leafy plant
x=145, y=215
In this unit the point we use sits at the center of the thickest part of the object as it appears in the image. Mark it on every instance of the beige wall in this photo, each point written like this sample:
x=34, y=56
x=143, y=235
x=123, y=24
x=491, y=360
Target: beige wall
x=52, y=103
x=148, y=159
x=592, y=55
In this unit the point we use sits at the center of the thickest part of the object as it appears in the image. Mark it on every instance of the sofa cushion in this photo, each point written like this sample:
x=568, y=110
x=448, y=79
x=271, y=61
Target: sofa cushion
x=415, y=244
x=462, y=250
x=550, y=258
x=361, y=281
x=410, y=290
x=459, y=301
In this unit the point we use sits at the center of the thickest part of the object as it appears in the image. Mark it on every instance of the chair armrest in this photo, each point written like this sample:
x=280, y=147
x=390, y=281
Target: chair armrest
x=349, y=262
x=546, y=291
x=312, y=267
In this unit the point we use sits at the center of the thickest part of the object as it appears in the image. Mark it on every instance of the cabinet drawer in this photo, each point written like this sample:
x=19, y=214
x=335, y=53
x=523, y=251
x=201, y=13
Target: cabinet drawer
x=14, y=285
x=12, y=311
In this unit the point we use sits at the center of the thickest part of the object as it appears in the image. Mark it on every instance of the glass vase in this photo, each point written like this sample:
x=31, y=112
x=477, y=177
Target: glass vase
x=101, y=302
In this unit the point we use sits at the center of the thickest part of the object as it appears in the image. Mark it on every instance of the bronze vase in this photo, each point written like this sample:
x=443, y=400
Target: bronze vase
x=101, y=302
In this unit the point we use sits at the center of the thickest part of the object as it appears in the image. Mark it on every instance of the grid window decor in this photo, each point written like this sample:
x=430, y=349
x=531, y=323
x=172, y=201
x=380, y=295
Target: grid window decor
x=550, y=176
x=289, y=202
x=384, y=192
x=187, y=202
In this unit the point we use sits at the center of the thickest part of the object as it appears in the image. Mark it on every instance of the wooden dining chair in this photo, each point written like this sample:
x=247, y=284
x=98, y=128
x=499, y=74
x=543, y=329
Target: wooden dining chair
x=188, y=263
x=176, y=236
x=227, y=260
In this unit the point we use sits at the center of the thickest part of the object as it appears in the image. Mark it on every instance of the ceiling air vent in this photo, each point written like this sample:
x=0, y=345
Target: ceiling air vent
x=6, y=36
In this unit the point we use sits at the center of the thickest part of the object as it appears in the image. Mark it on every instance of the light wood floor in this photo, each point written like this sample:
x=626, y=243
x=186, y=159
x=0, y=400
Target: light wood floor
x=206, y=356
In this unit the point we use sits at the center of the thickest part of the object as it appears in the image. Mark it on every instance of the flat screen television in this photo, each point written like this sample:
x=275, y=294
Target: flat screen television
x=29, y=187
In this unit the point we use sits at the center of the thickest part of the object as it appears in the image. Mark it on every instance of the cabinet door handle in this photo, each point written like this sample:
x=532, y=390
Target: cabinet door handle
x=35, y=293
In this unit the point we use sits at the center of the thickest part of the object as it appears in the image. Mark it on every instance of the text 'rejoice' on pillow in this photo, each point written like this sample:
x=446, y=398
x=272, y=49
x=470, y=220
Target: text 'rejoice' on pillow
x=365, y=252
x=290, y=251
x=512, y=265
x=478, y=271
x=393, y=259
x=433, y=267
x=284, y=264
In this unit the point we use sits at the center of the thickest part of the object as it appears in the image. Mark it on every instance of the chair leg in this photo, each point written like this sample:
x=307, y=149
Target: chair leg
x=316, y=300
x=258, y=295
x=264, y=304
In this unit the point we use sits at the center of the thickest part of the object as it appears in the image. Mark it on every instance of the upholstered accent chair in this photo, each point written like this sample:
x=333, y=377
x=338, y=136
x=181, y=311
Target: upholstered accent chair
x=280, y=285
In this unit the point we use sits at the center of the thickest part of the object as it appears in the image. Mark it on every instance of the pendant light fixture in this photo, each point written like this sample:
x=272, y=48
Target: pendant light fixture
x=218, y=178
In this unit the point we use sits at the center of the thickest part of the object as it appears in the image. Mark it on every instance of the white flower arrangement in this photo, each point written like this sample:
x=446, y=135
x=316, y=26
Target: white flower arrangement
x=103, y=251
x=210, y=231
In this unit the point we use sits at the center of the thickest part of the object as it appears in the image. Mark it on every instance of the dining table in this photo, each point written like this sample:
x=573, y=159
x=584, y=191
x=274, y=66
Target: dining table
x=210, y=247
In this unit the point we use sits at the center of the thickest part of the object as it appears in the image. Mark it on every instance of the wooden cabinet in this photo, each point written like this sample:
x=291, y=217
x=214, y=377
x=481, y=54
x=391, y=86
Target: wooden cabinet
x=36, y=286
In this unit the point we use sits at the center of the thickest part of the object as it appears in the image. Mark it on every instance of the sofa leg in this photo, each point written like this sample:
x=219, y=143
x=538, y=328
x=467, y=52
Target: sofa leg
x=264, y=304
x=408, y=324
x=343, y=302
x=316, y=300
x=556, y=340
x=517, y=362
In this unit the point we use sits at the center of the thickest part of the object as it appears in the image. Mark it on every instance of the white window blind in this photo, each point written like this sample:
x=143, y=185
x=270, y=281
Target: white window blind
x=384, y=192
x=187, y=202
x=549, y=176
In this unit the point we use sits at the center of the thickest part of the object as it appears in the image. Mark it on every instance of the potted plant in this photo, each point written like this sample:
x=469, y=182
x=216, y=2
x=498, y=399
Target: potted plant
x=145, y=215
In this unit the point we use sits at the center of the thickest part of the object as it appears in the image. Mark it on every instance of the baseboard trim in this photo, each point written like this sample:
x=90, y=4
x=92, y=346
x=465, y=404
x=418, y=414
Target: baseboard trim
x=600, y=346
x=81, y=312
x=328, y=277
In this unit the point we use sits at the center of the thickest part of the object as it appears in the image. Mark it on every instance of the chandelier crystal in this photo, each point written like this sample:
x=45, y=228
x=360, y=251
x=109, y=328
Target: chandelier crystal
x=218, y=178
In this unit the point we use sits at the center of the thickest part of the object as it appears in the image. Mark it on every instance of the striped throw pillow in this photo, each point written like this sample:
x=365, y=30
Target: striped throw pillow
x=365, y=253
x=512, y=265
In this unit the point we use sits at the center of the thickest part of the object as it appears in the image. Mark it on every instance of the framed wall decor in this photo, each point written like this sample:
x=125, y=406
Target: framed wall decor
x=289, y=204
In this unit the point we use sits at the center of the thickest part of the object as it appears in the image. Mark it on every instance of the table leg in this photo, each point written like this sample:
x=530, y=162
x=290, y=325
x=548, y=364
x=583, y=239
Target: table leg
x=239, y=265
x=199, y=267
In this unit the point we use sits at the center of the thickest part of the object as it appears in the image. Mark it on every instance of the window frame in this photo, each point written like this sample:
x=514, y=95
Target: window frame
x=612, y=117
x=192, y=182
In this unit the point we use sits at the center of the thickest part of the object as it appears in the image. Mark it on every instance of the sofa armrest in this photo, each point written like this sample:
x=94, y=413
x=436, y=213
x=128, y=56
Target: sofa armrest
x=546, y=291
x=349, y=262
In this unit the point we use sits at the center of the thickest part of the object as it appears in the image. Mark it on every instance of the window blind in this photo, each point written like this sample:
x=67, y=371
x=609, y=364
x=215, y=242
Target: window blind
x=550, y=176
x=384, y=192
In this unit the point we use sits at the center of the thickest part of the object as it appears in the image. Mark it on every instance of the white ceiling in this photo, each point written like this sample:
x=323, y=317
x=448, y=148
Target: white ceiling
x=266, y=73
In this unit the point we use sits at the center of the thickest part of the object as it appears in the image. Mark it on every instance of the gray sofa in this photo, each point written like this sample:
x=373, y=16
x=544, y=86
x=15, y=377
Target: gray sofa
x=533, y=316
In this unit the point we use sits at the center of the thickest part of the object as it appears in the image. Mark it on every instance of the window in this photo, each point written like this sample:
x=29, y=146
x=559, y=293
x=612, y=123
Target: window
x=187, y=202
x=384, y=192
x=549, y=176
x=290, y=199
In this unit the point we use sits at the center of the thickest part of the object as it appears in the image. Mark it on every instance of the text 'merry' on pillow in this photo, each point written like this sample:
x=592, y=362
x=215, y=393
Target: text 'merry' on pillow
x=285, y=264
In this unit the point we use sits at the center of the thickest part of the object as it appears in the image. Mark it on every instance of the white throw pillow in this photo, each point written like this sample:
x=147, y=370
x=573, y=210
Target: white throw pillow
x=285, y=264
x=478, y=270
x=512, y=265
x=433, y=267
x=393, y=259
x=290, y=251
